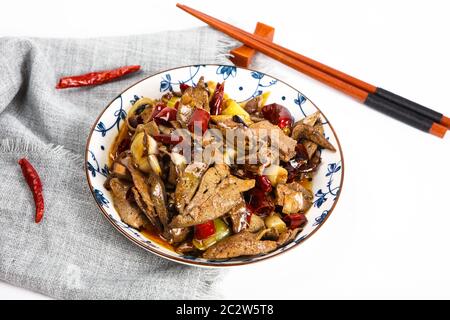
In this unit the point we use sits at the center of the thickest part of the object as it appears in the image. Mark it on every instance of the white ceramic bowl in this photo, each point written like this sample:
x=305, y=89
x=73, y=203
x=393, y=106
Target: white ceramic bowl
x=241, y=84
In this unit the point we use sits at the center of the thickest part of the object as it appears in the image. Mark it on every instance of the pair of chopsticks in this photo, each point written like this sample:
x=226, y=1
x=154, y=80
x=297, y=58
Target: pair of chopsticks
x=389, y=103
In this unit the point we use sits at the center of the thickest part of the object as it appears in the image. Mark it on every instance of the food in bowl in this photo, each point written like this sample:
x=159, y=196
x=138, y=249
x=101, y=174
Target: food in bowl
x=214, y=178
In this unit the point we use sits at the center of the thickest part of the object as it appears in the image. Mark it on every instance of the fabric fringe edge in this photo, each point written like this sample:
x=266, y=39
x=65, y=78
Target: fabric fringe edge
x=260, y=62
x=224, y=45
x=10, y=145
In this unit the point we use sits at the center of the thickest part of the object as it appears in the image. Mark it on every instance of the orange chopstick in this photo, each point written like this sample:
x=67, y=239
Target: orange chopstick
x=317, y=65
x=380, y=99
x=338, y=84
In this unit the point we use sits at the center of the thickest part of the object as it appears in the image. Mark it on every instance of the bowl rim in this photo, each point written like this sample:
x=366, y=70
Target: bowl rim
x=202, y=263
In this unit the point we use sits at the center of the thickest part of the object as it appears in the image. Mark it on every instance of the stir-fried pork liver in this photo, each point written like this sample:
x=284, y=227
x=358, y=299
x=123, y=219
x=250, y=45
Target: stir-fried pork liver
x=293, y=197
x=241, y=244
x=217, y=194
x=285, y=144
x=128, y=212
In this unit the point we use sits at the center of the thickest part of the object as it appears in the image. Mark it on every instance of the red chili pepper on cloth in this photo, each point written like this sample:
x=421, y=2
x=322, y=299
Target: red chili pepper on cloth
x=94, y=78
x=204, y=230
x=35, y=184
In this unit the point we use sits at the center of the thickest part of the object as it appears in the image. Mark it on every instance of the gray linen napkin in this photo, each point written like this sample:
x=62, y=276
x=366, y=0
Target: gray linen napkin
x=74, y=252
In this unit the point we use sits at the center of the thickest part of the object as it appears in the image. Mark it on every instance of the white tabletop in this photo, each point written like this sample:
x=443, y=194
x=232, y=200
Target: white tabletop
x=389, y=235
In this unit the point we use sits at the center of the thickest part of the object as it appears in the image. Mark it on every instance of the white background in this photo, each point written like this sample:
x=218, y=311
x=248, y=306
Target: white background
x=389, y=235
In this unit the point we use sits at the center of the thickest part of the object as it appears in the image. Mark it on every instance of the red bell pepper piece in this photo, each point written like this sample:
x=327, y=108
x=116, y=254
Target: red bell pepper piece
x=165, y=116
x=215, y=105
x=199, y=119
x=295, y=221
x=278, y=115
x=204, y=230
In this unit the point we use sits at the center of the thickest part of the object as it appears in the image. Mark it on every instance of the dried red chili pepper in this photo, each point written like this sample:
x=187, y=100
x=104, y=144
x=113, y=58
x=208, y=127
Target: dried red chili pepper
x=278, y=115
x=259, y=202
x=35, y=184
x=183, y=87
x=157, y=109
x=167, y=138
x=200, y=118
x=94, y=78
x=165, y=116
x=263, y=183
x=295, y=221
x=215, y=105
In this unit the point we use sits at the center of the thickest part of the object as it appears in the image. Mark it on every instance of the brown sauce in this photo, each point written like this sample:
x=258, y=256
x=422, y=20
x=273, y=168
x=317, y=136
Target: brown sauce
x=307, y=184
x=123, y=134
x=154, y=236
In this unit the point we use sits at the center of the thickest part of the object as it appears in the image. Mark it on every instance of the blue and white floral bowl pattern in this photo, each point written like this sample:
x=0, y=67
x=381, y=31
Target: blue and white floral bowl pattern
x=241, y=85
